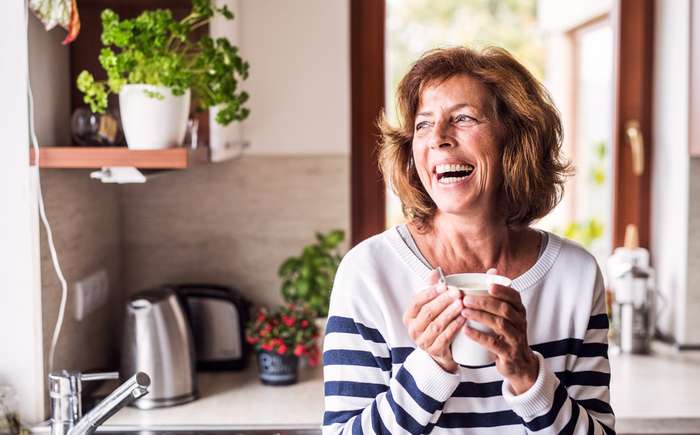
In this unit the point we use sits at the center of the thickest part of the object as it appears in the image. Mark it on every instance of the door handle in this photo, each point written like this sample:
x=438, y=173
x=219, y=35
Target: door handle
x=636, y=140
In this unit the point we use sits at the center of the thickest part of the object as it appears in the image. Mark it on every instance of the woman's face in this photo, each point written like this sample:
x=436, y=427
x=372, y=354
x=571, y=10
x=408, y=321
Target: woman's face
x=455, y=146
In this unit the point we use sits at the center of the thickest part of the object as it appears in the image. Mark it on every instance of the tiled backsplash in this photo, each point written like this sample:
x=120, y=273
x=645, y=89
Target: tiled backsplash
x=85, y=219
x=231, y=223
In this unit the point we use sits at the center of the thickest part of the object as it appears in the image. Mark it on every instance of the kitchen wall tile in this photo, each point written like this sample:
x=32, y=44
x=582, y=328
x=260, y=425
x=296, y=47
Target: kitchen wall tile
x=84, y=216
x=231, y=223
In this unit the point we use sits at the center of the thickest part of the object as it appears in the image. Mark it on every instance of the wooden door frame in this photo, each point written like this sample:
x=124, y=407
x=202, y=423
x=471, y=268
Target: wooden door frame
x=367, y=99
x=633, y=24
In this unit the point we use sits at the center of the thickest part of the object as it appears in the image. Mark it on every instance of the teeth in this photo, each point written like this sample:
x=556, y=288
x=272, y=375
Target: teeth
x=441, y=169
x=450, y=180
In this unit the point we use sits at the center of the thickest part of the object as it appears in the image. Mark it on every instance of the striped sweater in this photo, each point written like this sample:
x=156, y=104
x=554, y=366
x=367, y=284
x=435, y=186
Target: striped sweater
x=377, y=381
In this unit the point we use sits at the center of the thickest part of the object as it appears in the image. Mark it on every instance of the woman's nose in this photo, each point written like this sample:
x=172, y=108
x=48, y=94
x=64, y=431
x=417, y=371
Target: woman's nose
x=440, y=137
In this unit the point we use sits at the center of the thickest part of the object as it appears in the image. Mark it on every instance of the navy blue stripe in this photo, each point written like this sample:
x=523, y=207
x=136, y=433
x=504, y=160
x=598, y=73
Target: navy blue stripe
x=331, y=417
x=377, y=424
x=572, y=346
x=353, y=389
x=591, y=378
x=409, y=383
x=399, y=354
x=355, y=358
x=591, y=425
x=402, y=417
x=607, y=430
x=348, y=325
x=571, y=425
x=593, y=350
x=539, y=423
x=596, y=405
x=460, y=420
x=475, y=389
x=357, y=425
x=599, y=321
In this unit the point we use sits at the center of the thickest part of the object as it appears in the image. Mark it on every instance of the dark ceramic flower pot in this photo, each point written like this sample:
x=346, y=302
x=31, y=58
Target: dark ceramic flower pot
x=275, y=369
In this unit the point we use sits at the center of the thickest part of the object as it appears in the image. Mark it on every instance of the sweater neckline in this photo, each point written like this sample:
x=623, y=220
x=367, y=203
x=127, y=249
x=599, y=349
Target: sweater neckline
x=526, y=280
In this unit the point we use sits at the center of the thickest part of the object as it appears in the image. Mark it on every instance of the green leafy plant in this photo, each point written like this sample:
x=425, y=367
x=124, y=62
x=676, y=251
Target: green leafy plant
x=156, y=49
x=309, y=277
x=587, y=231
x=286, y=330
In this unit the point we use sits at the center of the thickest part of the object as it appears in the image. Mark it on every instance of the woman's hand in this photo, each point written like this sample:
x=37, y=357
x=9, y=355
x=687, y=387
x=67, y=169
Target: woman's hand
x=433, y=319
x=503, y=312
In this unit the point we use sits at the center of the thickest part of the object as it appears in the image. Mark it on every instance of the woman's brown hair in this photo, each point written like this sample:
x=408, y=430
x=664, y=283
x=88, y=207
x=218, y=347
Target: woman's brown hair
x=533, y=169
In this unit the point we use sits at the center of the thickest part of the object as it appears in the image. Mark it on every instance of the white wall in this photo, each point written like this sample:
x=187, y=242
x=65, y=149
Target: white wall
x=299, y=54
x=669, y=196
x=21, y=364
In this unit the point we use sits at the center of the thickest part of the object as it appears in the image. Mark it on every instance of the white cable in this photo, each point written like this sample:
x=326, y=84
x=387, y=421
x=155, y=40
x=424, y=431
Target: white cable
x=42, y=214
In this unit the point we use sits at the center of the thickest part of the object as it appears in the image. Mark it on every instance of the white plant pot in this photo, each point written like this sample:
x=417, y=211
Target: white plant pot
x=153, y=123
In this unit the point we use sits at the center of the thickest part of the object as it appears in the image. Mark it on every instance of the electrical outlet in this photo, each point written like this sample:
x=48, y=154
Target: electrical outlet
x=91, y=293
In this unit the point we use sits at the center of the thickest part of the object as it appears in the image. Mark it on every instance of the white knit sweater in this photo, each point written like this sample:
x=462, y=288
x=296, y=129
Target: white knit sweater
x=378, y=382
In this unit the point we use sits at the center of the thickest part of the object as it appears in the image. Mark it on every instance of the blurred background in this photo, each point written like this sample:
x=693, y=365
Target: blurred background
x=257, y=213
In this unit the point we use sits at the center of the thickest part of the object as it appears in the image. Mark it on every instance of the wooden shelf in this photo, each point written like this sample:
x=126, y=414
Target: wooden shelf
x=97, y=157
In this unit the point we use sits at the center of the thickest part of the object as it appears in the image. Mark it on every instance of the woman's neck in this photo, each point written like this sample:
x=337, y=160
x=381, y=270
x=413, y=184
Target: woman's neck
x=460, y=244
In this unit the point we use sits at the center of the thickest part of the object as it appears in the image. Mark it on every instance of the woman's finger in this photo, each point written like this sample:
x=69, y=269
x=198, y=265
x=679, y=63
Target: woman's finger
x=495, y=307
x=441, y=322
x=492, y=343
x=507, y=294
x=421, y=298
x=499, y=325
x=443, y=341
x=432, y=309
x=433, y=277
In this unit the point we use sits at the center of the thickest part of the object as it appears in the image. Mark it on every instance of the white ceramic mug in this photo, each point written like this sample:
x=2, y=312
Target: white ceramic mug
x=466, y=351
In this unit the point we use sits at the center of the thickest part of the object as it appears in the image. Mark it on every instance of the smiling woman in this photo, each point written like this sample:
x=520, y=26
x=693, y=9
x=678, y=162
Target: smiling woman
x=475, y=160
x=498, y=99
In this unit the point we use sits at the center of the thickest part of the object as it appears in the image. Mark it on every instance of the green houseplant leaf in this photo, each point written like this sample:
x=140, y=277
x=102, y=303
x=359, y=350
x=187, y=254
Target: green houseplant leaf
x=156, y=49
x=308, y=278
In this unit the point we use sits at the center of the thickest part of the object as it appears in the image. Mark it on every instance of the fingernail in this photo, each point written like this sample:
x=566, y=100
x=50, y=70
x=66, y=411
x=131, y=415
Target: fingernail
x=456, y=303
x=468, y=300
x=440, y=288
x=455, y=293
x=464, y=313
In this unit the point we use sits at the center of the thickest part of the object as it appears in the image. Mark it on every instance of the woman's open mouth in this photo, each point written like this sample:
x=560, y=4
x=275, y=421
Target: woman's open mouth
x=451, y=174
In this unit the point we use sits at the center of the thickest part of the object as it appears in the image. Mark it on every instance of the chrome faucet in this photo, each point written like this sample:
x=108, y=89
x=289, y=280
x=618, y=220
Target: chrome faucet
x=66, y=409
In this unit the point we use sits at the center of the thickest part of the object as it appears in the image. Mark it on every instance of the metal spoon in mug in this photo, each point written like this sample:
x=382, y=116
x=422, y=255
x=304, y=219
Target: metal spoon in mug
x=442, y=275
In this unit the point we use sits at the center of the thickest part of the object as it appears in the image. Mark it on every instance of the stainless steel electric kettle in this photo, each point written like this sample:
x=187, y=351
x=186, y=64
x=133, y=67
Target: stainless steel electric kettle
x=158, y=341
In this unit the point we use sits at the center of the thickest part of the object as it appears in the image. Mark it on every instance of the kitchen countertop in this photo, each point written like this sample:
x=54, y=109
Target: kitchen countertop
x=649, y=393
x=229, y=399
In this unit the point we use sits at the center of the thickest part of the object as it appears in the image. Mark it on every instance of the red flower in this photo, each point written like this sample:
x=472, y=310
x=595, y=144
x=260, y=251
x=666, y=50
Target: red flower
x=267, y=346
x=261, y=316
x=304, y=323
x=299, y=350
x=282, y=349
x=313, y=356
x=289, y=321
x=252, y=340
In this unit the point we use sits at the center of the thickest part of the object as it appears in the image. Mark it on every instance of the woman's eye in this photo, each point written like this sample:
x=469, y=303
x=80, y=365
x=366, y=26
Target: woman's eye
x=463, y=118
x=421, y=125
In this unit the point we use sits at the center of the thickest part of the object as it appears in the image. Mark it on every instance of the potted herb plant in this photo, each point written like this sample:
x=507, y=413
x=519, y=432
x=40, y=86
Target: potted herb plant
x=281, y=337
x=308, y=278
x=155, y=66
